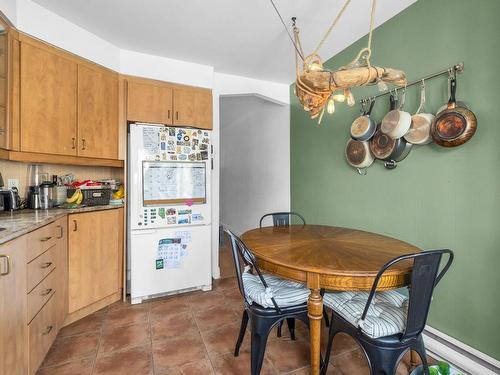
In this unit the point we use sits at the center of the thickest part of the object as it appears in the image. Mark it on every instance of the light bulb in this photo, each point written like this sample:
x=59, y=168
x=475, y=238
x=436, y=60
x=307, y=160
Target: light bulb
x=381, y=85
x=350, y=97
x=339, y=98
x=314, y=67
x=330, y=107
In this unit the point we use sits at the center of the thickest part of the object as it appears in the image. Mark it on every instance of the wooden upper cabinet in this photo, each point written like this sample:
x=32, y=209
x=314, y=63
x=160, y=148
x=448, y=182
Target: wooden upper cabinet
x=48, y=101
x=149, y=102
x=97, y=112
x=193, y=107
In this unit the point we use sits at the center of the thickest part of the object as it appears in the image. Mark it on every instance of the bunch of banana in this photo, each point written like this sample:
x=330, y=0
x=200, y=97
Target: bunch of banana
x=120, y=193
x=76, y=198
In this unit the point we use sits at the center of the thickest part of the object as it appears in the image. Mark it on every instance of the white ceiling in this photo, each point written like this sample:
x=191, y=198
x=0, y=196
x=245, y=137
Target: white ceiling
x=243, y=37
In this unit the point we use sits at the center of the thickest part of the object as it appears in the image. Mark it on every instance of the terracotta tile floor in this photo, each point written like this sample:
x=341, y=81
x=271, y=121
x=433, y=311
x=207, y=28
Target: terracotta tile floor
x=181, y=335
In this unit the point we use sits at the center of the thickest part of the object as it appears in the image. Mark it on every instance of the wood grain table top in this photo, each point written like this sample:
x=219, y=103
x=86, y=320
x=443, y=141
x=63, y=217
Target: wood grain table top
x=345, y=259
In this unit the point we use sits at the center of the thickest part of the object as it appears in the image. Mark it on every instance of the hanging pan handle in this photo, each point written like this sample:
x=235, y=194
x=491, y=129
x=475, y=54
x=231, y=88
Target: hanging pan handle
x=422, y=98
x=453, y=89
x=372, y=103
x=393, y=101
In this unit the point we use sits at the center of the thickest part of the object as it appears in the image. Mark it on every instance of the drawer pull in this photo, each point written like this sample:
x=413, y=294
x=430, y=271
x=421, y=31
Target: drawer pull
x=61, y=233
x=47, y=331
x=75, y=226
x=46, y=292
x=46, y=265
x=8, y=265
x=45, y=239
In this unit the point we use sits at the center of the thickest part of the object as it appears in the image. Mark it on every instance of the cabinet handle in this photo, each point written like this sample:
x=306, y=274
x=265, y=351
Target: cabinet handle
x=168, y=114
x=47, y=330
x=47, y=292
x=46, y=265
x=75, y=226
x=45, y=239
x=61, y=233
x=176, y=115
x=2, y=130
x=8, y=265
x=73, y=143
x=83, y=144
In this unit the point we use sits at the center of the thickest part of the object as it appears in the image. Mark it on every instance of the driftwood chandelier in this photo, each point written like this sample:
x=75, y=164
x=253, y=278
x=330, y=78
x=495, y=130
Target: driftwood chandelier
x=318, y=88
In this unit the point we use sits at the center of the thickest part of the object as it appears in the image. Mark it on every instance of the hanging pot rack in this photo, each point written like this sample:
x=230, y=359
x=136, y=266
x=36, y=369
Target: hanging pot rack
x=457, y=68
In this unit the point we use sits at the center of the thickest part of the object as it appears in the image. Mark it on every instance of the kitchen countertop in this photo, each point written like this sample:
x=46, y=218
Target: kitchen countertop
x=21, y=222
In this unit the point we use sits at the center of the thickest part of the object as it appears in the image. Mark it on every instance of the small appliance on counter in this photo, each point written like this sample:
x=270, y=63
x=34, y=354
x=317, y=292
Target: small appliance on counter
x=9, y=199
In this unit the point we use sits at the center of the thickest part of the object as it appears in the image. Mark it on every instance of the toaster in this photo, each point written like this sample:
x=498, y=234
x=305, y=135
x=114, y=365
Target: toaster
x=10, y=199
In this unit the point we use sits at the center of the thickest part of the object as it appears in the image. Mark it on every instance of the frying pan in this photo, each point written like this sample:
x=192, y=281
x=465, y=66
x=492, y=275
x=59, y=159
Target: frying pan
x=363, y=128
x=390, y=150
x=420, y=128
x=455, y=125
x=396, y=122
x=358, y=154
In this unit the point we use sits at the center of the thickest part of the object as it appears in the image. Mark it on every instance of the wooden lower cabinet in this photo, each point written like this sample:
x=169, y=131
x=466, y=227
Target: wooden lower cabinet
x=35, y=279
x=95, y=247
x=13, y=302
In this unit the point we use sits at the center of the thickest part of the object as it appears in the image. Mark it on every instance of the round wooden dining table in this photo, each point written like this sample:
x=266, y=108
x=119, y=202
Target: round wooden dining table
x=328, y=257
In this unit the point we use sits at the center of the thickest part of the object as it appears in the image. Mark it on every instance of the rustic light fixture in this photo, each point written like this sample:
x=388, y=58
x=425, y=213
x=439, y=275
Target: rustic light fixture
x=318, y=88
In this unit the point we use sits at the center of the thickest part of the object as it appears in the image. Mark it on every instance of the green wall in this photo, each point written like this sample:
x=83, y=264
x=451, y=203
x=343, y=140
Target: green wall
x=436, y=198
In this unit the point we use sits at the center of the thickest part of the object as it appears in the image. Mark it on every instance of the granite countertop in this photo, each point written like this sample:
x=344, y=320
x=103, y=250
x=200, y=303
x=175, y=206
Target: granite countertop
x=17, y=223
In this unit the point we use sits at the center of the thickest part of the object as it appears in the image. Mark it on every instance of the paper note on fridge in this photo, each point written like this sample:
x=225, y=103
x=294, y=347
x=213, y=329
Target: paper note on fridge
x=170, y=250
x=150, y=140
x=184, y=235
x=174, y=182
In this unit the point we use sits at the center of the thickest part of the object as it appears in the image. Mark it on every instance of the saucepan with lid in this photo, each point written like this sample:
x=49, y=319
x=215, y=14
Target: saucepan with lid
x=363, y=128
x=396, y=122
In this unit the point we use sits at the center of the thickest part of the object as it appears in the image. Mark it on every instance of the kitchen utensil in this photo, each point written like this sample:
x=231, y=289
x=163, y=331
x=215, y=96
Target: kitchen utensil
x=455, y=125
x=358, y=154
x=34, y=197
x=46, y=195
x=385, y=148
x=396, y=122
x=420, y=128
x=363, y=128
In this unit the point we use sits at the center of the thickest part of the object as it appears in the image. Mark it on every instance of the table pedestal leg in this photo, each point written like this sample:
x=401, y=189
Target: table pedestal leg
x=315, y=313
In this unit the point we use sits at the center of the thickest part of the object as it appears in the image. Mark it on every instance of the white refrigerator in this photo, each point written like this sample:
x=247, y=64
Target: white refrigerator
x=169, y=211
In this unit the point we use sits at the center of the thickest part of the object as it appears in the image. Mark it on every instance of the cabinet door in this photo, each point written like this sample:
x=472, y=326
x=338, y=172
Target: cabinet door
x=48, y=101
x=149, y=103
x=61, y=295
x=93, y=256
x=13, y=301
x=3, y=84
x=193, y=107
x=97, y=112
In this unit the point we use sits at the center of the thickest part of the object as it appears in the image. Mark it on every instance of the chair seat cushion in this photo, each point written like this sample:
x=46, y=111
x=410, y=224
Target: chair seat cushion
x=286, y=293
x=386, y=315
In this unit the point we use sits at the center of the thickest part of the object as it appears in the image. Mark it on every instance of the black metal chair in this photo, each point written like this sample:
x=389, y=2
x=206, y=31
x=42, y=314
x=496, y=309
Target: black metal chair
x=385, y=351
x=282, y=219
x=262, y=319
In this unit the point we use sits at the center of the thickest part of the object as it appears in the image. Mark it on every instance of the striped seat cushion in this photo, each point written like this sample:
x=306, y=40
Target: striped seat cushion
x=286, y=293
x=386, y=315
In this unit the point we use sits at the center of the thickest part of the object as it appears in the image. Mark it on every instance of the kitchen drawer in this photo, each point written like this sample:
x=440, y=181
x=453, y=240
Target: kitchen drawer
x=42, y=239
x=42, y=332
x=41, y=294
x=40, y=267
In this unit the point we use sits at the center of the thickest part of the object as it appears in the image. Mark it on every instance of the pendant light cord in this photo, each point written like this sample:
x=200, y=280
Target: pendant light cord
x=320, y=44
x=287, y=31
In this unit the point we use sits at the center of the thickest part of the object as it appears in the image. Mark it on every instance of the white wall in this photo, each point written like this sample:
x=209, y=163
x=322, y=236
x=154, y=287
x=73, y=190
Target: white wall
x=255, y=160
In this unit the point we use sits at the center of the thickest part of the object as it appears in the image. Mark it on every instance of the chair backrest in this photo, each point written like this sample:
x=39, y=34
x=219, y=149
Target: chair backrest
x=282, y=219
x=243, y=258
x=424, y=278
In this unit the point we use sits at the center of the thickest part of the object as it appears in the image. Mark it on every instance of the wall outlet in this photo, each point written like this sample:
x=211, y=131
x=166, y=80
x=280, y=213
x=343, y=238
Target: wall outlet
x=13, y=182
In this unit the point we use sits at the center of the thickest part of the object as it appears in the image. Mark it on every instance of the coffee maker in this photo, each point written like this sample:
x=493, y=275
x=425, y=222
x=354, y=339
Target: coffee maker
x=36, y=177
